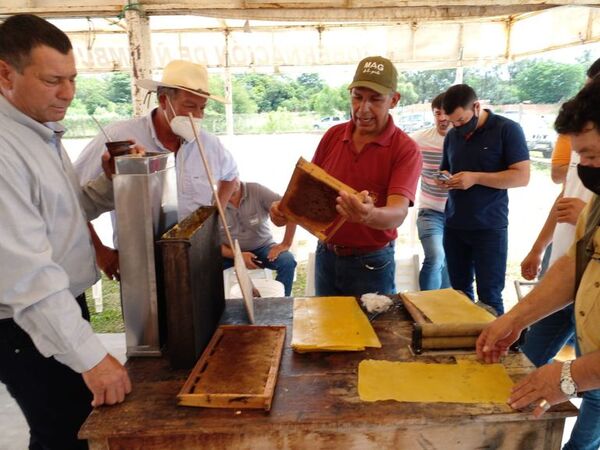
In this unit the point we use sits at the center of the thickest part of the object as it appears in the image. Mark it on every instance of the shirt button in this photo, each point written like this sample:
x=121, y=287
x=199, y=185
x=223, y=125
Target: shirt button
x=578, y=338
x=597, y=284
x=581, y=313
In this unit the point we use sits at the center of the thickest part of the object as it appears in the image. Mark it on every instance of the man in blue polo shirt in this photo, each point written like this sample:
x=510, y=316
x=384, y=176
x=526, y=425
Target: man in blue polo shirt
x=486, y=154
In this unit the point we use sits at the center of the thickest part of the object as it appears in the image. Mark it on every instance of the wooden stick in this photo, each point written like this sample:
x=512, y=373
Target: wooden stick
x=211, y=180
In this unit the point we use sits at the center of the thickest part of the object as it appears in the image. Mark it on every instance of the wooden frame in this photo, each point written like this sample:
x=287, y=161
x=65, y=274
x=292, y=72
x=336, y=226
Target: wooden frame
x=225, y=368
x=321, y=229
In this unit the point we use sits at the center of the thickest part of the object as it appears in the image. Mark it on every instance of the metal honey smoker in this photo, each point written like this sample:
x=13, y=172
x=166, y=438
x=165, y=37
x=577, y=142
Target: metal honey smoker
x=146, y=206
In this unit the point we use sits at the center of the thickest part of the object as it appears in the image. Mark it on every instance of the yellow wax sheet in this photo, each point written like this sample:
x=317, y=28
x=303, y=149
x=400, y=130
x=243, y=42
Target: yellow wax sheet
x=464, y=382
x=448, y=306
x=331, y=324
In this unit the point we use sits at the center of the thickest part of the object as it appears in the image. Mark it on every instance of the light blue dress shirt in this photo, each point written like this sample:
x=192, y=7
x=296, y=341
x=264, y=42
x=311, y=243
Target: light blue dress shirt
x=46, y=254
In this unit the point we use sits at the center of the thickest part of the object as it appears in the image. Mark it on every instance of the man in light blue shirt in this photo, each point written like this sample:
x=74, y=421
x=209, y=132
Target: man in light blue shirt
x=50, y=360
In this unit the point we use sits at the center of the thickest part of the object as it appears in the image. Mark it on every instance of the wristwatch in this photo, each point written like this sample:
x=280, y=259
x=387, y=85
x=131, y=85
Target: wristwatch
x=567, y=384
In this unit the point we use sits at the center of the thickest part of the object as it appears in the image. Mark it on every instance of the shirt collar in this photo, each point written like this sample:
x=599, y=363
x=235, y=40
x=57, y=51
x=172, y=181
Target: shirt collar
x=491, y=119
x=150, y=125
x=244, y=191
x=46, y=131
x=384, y=139
x=242, y=198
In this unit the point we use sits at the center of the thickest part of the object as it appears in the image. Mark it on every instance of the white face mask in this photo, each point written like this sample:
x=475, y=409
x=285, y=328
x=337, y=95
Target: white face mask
x=181, y=126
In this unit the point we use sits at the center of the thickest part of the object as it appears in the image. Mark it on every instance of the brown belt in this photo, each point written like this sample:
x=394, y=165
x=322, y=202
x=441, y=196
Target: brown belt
x=341, y=250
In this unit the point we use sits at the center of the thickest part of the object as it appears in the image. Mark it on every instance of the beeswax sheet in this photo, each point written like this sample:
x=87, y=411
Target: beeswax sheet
x=331, y=324
x=448, y=306
x=464, y=382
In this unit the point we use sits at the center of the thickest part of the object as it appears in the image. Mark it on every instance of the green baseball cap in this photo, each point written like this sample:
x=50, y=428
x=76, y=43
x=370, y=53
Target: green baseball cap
x=377, y=73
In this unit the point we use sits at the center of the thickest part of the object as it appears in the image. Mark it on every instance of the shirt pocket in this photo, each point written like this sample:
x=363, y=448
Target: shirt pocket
x=253, y=221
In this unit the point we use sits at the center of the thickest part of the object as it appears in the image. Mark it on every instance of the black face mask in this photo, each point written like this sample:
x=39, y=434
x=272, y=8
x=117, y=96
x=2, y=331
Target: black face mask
x=590, y=177
x=468, y=127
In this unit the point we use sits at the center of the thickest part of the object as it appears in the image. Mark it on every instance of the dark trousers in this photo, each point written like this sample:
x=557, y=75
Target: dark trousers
x=53, y=398
x=480, y=254
x=285, y=265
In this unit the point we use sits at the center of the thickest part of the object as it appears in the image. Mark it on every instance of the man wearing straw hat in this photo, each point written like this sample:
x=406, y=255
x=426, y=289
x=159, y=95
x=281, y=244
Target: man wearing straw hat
x=183, y=89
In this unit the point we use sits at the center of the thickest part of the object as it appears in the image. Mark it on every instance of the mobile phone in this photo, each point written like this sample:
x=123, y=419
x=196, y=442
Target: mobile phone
x=258, y=262
x=442, y=176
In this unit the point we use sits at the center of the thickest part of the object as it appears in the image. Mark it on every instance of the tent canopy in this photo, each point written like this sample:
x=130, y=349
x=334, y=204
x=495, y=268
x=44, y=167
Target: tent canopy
x=242, y=34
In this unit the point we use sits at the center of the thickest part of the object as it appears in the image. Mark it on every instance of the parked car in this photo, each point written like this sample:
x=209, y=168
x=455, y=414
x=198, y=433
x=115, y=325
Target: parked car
x=539, y=134
x=324, y=123
x=410, y=122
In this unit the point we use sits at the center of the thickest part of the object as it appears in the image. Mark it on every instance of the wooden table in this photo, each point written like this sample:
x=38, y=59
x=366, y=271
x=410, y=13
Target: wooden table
x=316, y=405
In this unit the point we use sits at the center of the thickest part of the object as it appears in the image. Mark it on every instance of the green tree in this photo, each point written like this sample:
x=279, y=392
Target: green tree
x=242, y=102
x=544, y=81
x=408, y=93
x=312, y=82
x=119, y=90
x=429, y=83
x=91, y=91
x=324, y=101
x=492, y=84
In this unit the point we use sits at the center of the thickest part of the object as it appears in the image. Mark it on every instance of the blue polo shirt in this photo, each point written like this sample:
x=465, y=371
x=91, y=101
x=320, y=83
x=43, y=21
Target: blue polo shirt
x=499, y=143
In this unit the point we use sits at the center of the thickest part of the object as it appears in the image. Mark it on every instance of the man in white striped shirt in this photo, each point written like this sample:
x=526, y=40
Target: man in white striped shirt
x=432, y=200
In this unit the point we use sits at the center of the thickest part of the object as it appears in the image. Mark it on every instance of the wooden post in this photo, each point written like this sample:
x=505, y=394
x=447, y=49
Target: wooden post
x=228, y=89
x=138, y=34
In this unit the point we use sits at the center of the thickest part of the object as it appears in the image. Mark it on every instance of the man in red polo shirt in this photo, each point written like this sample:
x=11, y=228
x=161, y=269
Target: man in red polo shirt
x=372, y=155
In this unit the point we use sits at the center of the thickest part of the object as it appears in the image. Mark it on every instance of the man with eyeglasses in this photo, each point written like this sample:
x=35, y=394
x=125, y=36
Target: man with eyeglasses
x=575, y=275
x=484, y=154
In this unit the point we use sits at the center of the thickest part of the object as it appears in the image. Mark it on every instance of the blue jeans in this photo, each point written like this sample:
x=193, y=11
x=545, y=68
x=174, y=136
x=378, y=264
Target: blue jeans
x=284, y=265
x=434, y=273
x=480, y=254
x=355, y=275
x=586, y=432
x=545, y=338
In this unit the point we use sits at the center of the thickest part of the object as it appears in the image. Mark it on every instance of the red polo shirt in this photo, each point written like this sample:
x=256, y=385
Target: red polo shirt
x=389, y=165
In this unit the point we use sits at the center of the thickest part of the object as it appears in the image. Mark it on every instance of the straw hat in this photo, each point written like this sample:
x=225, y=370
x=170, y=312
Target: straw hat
x=184, y=75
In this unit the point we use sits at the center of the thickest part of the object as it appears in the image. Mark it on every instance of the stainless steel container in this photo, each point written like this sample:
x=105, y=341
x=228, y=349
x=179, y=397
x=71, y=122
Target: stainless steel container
x=146, y=207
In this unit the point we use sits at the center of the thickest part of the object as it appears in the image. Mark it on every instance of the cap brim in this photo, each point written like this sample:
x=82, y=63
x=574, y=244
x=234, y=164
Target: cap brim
x=152, y=85
x=370, y=85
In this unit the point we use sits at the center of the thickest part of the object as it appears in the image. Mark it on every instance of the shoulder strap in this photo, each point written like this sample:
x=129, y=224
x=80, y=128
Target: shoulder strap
x=584, y=247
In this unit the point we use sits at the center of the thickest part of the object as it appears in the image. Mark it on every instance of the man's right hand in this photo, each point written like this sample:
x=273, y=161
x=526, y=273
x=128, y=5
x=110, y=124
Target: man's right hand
x=277, y=217
x=495, y=340
x=531, y=265
x=108, y=381
x=250, y=260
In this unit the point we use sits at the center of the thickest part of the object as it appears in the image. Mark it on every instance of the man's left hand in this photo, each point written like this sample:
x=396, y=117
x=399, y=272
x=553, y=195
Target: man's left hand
x=355, y=208
x=542, y=384
x=568, y=210
x=462, y=180
x=276, y=250
x=108, y=261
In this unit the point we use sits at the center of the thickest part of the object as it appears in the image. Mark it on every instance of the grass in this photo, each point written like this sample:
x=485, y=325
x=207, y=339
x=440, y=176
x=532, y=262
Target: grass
x=110, y=320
